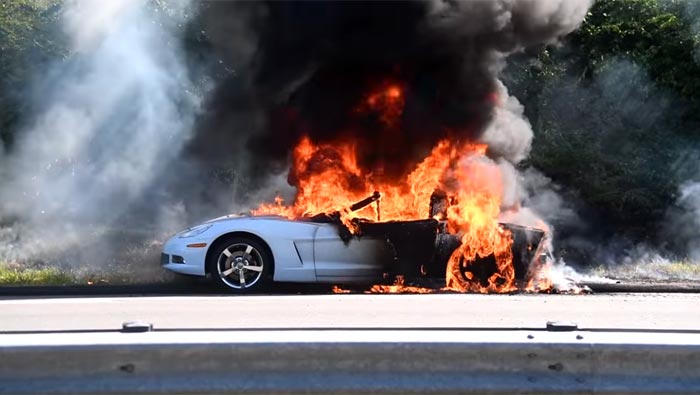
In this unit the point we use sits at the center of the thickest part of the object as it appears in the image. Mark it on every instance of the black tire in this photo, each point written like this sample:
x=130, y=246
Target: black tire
x=236, y=256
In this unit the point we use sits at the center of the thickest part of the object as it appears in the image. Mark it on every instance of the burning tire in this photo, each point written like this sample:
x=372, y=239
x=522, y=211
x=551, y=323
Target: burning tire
x=241, y=264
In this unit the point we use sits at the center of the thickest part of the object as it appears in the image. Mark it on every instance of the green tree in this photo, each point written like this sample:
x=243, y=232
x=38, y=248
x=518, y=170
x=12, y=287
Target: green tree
x=615, y=108
x=29, y=37
x=653, y=33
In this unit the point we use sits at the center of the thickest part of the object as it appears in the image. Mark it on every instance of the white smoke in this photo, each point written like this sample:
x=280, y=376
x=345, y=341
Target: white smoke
x=528, y=198
x=512, y=24
x=509, y=139
x=509, y=135
x=111, y=118
x=683, y=220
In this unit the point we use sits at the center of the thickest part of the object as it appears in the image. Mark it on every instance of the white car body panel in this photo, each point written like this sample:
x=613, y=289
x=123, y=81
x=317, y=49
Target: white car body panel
x=358, y=258
x=302, y=251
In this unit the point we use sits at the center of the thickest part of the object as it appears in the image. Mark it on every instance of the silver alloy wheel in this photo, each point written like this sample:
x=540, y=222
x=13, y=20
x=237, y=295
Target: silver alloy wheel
x=240, y=265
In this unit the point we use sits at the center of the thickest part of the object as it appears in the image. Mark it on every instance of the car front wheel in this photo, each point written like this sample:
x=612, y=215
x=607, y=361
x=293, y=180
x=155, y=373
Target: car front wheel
x=241, y=265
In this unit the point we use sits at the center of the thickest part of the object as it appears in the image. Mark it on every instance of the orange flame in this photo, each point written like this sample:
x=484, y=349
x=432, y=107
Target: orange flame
x=399, y=287
x=329, y=180
x=387, y=103
x=474, y=214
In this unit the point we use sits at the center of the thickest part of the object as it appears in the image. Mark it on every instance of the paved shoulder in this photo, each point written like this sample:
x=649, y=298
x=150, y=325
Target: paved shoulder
x=630, y=311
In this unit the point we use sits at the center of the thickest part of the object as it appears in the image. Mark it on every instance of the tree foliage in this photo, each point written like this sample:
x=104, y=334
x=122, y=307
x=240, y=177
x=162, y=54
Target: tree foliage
x=615, y=108
x=29, y=37
x=656, y=34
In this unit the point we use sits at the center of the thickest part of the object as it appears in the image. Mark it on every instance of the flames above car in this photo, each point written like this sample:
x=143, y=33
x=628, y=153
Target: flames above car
x=329, y=179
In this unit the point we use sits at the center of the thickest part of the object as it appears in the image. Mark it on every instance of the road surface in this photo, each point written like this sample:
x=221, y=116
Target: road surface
x=631, y=311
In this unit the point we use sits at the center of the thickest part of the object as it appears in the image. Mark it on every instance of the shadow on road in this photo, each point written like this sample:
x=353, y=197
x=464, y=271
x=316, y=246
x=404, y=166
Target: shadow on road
x=203, y=287
x=192, y=288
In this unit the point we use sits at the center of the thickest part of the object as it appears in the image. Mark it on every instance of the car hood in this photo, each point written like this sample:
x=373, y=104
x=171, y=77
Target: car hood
x=240, y=217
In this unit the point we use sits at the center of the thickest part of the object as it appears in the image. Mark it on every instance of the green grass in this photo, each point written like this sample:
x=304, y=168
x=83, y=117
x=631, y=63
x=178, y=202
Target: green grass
x=134, y=260
x=683, y=268
x=16, y=275
x=39, y=274
x=653, y=270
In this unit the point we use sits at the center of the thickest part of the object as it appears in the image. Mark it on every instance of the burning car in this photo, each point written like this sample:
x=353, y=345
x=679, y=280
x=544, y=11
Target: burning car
x=439, y=214
x=412, y=107
x=248, y=253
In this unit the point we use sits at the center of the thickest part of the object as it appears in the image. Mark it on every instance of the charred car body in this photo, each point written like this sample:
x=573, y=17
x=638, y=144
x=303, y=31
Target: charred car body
x=246, y=253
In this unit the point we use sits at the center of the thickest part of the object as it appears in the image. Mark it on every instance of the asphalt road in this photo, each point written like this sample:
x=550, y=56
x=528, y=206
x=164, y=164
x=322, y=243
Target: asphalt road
x=623, y=311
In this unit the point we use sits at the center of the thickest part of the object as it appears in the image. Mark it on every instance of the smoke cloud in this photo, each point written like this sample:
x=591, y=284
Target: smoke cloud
x=109, y=122
x=315, y=61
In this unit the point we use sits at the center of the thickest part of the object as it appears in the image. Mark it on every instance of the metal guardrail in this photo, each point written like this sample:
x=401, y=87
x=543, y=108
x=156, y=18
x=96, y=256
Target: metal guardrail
x=427, y=361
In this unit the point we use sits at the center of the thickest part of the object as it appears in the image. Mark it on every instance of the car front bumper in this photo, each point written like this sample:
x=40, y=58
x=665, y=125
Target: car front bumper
x=179, y=258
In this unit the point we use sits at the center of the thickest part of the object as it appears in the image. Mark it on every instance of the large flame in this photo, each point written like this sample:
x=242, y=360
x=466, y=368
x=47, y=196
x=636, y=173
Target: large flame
x=473, y=213
x=329, y=179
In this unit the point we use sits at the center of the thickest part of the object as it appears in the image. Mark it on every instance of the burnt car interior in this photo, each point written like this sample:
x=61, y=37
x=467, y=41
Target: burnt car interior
x=423, y=247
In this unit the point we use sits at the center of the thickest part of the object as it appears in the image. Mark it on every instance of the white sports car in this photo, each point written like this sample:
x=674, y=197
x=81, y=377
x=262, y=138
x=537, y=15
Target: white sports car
x=246, y=253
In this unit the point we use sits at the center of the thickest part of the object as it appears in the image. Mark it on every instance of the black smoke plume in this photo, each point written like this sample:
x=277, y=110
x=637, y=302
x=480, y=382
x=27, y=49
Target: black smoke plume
x=315, y=62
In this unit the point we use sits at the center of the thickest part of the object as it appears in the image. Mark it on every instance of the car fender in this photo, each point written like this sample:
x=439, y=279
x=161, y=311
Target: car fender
x=290, y=242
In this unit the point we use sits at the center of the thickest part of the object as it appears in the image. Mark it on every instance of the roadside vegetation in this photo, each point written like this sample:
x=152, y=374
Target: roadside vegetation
x=20, y=275
x=656, y=269
x=23, y=274
x=615, y=110
x=29, y=38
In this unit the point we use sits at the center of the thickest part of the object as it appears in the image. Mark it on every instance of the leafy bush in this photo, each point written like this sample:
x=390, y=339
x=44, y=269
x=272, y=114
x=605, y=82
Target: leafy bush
x=615, y=111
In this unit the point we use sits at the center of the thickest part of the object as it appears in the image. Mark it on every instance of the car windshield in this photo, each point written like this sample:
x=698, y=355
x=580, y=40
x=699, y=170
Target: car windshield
x=446, y=176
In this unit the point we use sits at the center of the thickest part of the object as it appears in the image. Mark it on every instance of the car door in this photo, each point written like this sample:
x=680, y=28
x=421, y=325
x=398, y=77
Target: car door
x=359, y=259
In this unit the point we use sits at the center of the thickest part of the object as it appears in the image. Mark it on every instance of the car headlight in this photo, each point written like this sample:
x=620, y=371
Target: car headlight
x=194, y=231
